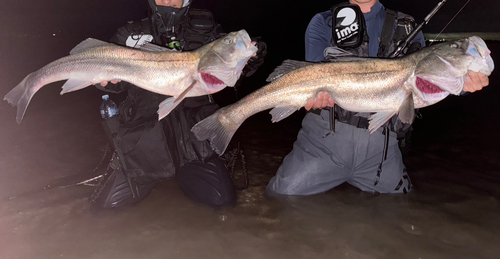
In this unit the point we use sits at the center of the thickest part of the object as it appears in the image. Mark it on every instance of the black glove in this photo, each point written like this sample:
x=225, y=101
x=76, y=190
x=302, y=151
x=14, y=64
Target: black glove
x=256, y=61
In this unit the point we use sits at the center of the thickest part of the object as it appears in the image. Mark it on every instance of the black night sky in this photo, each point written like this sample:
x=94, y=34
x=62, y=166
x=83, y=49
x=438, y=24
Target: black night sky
x=281, y=23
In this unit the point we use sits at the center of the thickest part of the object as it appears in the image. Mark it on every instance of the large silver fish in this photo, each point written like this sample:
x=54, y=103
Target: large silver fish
x=384, y=86
x=180, y=74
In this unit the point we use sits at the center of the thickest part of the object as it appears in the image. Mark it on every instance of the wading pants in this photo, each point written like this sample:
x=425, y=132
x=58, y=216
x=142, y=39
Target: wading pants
x=208, y=183
x=320, y=161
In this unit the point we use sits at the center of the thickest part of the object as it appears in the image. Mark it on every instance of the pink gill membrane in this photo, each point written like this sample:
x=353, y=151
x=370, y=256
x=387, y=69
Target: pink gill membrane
x=210, y=79
x=427, y=87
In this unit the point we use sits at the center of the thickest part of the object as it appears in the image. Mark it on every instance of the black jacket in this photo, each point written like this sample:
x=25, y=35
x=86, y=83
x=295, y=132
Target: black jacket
x=152, y=150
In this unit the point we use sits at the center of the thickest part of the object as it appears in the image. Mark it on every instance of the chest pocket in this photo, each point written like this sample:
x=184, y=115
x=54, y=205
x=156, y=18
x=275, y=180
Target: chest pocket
x=199, y=28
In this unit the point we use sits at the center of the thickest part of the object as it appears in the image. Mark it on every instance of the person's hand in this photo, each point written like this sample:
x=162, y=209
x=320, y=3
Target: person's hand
x=105, y=83
x=321, y=101
x=475, y=81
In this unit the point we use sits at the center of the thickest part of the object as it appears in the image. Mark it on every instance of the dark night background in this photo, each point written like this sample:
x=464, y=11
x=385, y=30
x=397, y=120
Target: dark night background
x=453, y=164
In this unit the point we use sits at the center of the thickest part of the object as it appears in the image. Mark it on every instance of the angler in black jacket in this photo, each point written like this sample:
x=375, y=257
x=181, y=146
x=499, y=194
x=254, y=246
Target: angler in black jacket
x=148, y=150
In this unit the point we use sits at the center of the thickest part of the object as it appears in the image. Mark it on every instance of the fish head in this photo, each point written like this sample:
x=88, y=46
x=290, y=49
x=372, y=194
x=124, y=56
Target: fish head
x=222, y=63
x=442, y=69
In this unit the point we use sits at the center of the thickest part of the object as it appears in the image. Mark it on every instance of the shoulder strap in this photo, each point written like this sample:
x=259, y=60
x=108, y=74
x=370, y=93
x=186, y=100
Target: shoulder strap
x=387, y=31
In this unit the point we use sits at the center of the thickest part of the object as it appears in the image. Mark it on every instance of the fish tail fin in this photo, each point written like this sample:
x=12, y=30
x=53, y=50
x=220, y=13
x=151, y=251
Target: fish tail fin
x=21, y=96
x=213, y=130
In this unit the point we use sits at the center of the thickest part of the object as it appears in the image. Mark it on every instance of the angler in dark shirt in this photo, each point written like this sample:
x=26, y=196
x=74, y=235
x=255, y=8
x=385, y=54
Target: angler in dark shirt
x=370, y=162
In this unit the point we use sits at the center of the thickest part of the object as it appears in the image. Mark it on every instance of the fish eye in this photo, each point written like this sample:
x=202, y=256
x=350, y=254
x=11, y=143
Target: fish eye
x=228, y=40
x=454, y=45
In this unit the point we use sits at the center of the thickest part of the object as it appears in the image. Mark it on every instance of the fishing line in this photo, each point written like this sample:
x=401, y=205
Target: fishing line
x=449, y=22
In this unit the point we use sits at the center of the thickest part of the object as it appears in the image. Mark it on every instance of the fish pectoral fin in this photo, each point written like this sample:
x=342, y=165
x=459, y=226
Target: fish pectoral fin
x=155, y=48
x=170, y=103
x=74, y=84
x=167, y=106
x=407, y=109
x=378, y=119
x=279, y=113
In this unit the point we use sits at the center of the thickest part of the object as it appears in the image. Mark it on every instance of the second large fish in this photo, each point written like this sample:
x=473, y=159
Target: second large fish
x=384, y=86
x=206, y=70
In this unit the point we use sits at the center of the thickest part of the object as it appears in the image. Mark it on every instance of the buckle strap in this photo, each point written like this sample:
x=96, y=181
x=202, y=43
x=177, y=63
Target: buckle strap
x=317, y=111
x=356, y=121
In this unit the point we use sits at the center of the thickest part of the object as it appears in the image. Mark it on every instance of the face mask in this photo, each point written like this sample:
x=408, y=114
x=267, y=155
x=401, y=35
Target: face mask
x=167, y=21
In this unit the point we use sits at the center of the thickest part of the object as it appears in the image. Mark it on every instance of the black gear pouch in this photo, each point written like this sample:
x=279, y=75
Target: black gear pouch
x=348, y=26
x=144, y=152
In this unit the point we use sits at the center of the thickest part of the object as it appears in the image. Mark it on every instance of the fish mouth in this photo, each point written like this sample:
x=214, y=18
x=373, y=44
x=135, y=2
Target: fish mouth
x=245, y=39
x=477, y=48
x=246, y=42
x=245, y=45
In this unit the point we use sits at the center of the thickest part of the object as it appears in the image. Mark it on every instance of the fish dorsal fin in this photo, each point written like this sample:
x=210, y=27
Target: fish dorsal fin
x=286, y=67
x=87, y=44
x=154, y=48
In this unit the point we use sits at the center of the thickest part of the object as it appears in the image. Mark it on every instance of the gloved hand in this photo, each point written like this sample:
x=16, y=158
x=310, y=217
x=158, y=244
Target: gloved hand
x=256, y=61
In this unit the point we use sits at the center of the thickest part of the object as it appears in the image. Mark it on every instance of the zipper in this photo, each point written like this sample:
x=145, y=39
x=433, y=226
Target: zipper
x=170, y=23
